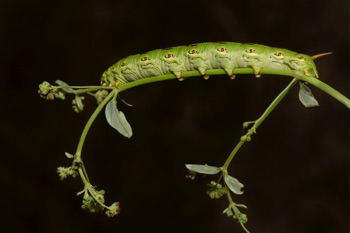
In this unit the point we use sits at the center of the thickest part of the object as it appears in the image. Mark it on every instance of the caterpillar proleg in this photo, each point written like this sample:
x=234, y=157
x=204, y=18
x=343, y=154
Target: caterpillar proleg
x=206, y=56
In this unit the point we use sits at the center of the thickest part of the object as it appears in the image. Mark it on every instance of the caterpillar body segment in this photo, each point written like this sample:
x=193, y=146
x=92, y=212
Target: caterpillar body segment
x=207, y=56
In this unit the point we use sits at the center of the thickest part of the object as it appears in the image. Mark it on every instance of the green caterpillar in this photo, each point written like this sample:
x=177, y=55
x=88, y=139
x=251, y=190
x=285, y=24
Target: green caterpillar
x=206, y=56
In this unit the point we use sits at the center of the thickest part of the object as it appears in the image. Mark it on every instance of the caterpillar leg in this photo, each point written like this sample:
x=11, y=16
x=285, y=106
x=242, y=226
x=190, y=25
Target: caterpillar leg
x=202, y=72
x=232, y=77
x=178, y=75
x=230, y=73
x=256, y=71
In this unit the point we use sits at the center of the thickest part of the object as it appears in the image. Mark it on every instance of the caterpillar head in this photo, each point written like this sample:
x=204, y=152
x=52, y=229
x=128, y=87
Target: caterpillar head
x=104, y=79
x=108, y=78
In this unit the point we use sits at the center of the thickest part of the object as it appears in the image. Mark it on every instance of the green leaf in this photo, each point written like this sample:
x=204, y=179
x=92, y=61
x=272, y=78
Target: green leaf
x=233, y=184
x=69, y=156
x=306, y=97
x=64, y=86
x=203, y=169
x=242, y=206
x=117, y=120
x=228, y=211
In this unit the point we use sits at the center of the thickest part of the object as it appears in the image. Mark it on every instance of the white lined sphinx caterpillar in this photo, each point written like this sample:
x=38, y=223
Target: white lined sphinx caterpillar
x=206, y=56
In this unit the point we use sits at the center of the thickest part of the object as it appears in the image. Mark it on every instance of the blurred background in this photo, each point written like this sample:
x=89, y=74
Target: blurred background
x=295, y=170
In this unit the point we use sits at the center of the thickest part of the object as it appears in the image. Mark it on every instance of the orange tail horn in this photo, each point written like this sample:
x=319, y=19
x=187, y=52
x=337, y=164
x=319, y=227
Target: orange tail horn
x=320, y=55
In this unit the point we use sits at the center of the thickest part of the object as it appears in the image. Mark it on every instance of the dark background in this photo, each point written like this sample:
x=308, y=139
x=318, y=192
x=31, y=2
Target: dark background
x=295, y=170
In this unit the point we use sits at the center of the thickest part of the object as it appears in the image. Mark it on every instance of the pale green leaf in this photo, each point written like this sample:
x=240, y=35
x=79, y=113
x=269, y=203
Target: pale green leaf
x=228, y=211
x=233, y=184
x=242, y=206
x=69, y=156
x=306, y=97
x=117, y=119
x=203, y=169
x=64, y=86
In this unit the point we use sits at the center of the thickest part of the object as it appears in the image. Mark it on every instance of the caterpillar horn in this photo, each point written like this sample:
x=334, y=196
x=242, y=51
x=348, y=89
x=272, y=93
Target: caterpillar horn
x=321, y=55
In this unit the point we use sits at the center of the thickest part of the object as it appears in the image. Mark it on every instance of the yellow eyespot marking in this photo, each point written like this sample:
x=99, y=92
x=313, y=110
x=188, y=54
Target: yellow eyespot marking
x=193, y=51
x=279, y=54
x=250, y=50
x=221, y=50
x=145, y=59
x=169, y=55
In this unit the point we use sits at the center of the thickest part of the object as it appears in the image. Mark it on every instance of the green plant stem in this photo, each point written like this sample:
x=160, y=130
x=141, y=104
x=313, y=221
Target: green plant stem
x=77, y=90
x=188, y=74
x=252, y=130
x=326, y=88
x=92, y=119
x=88, y=187
x=232, y=154
x=88, y=90
x=233, y=205
x=313, y=81
x=77, y=158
